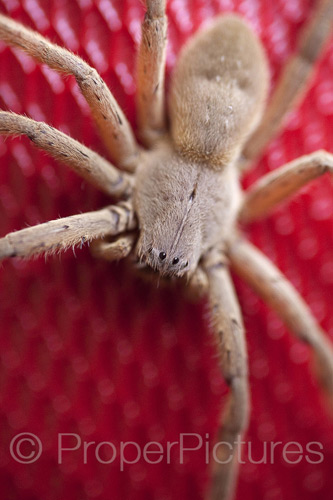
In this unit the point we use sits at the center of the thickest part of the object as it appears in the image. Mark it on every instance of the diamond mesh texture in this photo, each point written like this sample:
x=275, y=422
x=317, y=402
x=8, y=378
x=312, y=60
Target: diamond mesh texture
x=87, y=348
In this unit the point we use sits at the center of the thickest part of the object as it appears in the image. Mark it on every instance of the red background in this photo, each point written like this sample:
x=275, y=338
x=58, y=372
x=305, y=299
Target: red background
x=87, y=348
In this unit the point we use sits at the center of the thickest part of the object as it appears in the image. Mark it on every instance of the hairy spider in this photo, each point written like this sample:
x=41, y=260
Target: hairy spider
x=181, y=197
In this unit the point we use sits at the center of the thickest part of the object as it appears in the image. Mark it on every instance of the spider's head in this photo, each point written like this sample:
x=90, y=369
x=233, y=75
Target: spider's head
x=168, y=209
x=171, y=252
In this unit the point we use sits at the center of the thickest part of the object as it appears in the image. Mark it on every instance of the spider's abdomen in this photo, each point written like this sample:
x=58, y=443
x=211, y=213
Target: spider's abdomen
x=218, y=91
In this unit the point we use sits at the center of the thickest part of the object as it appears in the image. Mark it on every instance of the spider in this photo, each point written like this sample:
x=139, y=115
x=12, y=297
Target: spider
x=180, y=194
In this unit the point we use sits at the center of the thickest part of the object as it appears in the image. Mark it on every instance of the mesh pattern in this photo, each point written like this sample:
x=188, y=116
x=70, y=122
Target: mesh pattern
x=87, y=348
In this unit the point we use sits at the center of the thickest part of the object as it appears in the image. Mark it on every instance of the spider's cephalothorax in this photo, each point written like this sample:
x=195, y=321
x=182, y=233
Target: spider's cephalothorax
x=176, y=226
x=181, y=195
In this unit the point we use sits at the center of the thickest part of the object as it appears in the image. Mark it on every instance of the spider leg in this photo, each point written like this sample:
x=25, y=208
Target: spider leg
x=150, y=69
x=274, y=187
x=261, y=274
x=294, y=79
x=111, y=121
x=83, y=160
x=229, y=332
x=197, y=285
x=68, y=231
x=115, y=250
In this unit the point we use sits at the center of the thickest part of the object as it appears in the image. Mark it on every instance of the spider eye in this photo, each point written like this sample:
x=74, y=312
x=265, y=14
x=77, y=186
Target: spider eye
x=162, y=255
x=175, y=261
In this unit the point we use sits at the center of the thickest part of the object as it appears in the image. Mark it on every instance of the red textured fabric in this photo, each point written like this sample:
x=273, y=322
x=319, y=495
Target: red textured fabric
x=86, y=348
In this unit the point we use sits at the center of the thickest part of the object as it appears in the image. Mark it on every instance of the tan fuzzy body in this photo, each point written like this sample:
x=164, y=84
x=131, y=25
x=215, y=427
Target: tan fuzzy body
x=187, y=193
x=218, y=92
x=183, y=208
